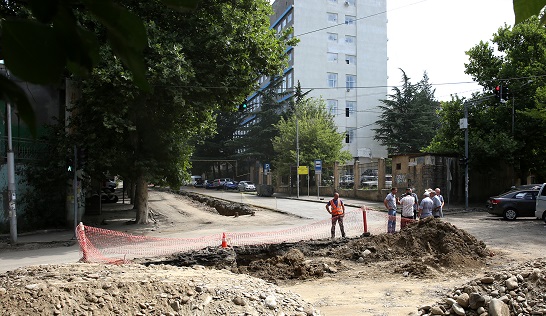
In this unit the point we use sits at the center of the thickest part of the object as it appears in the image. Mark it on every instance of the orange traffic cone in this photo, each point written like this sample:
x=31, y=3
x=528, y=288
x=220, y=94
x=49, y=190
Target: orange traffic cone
x=224, y=242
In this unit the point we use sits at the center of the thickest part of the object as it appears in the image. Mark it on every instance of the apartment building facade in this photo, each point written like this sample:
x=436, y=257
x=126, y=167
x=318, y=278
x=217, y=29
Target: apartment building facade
x=342, y=58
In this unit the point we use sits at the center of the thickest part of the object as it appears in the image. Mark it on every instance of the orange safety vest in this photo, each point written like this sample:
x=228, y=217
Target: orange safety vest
x=336, y=210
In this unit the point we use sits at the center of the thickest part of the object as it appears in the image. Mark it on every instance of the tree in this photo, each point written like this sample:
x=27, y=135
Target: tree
x=257, y=135
x=318, y=137
x=42, y=38
x=409, y=119
x=518, y=61
x=200, y=62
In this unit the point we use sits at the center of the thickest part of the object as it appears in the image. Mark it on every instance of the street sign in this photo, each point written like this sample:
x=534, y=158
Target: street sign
x=318, y=166
x=267, y=167
x=303, y=170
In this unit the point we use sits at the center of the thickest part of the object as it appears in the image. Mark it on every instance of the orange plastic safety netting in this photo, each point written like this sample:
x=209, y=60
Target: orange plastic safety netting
x=102, y=245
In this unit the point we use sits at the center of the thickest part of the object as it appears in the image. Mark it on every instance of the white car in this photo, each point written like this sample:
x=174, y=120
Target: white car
x=246, y=186
x=540, y=209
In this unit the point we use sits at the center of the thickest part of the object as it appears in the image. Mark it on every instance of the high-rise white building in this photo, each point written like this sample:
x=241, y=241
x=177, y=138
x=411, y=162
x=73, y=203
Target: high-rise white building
x=341, y=57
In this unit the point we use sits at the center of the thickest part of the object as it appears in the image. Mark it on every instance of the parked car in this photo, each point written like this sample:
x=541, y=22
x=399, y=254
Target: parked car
x=224, y=180
x=372, y=184
x=231, y=185
x=217, y=184
x=209, y=184
x=518, y=202
x=347, y=181
x=246, y=186
x=199, y=183
x=540, y=205
x=194, y=179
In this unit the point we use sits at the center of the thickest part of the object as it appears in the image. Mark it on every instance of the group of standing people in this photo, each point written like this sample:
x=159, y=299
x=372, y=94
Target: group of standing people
x=431, y=205
x=412, y=209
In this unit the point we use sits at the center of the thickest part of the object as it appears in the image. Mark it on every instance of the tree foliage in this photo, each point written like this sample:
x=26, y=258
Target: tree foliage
x=197, y=63
x=42, y=38
x=516, y=58
x=408, y=121
x=318, y=137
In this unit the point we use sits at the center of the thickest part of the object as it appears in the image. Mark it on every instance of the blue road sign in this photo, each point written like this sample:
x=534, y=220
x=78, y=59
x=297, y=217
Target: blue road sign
x=318, y=166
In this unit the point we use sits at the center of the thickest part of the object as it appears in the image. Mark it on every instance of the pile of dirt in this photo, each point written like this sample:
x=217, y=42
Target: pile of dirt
x=419, y=250
x=96, y=289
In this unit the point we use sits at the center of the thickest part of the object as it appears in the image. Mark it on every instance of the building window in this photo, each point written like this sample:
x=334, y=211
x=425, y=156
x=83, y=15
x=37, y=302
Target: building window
x=350, y=59
x=290, y=56
x=279, y=28
x=283, y=23
x=350, y=107
x=349, y=135
x=332, y=107
x=289, y=17
x=288, y=79
x=350, y=81
x=332, y=37
x=332, y=80
x=332, y=17
x=398, y=166
x=332, y=57
x=350, y=20
x=350, y=39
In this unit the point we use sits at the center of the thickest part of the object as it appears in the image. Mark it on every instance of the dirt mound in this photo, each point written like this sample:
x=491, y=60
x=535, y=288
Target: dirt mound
x=420, y=248
x=95, y=289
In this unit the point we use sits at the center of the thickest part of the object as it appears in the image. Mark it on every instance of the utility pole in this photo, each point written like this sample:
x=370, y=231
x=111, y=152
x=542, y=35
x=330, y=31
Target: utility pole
x=466, y=156
x=12, y=196
x=463, y=124
x=297, y=155
x=11, y=180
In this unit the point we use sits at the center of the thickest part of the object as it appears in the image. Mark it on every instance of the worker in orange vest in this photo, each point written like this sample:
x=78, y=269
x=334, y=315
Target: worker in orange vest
x=337, y=209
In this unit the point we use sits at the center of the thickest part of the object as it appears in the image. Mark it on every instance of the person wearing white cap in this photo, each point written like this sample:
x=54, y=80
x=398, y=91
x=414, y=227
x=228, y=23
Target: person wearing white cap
x=426, y=205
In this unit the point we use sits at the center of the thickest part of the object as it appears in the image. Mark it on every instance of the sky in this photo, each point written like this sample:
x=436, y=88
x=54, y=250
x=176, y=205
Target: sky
x=433, y=36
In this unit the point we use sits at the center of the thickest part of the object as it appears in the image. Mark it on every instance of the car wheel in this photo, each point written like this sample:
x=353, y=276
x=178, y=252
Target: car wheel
x=510, y=214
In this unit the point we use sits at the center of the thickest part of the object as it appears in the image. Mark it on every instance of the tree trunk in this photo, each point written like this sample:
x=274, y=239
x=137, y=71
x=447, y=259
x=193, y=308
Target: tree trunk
x=141, y=200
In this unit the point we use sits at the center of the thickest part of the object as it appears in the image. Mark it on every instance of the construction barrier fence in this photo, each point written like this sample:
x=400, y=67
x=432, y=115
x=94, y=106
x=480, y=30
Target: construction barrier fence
x=108, y=246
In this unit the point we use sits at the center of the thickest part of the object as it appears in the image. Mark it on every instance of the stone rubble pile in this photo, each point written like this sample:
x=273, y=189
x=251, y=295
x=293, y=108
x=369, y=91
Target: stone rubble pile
x=94, y=289
x=518, y=291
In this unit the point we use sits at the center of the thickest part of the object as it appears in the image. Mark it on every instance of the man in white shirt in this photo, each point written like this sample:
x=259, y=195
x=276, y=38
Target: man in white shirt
x=408, y=201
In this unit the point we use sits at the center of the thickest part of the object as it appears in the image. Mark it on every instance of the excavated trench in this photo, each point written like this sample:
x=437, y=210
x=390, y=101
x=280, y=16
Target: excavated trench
x=428, y=244
x=223, y=207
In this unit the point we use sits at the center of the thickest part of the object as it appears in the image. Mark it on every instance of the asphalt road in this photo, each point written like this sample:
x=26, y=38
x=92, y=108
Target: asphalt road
x=309, y=207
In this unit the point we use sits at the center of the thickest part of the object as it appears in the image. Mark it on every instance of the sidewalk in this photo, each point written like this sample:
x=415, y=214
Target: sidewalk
x=379, y=206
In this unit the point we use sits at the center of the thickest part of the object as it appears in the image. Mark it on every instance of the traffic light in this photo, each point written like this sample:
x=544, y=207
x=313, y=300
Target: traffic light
x=69, y=165
x=242, y=107
x=502, y=93
x=497, y=92
x=505, y=93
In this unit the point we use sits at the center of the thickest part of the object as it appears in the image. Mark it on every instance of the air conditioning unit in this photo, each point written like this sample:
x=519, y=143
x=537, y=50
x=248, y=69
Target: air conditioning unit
x=347, y=3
